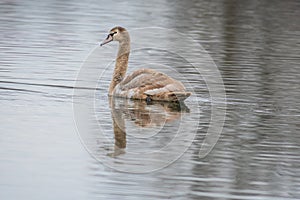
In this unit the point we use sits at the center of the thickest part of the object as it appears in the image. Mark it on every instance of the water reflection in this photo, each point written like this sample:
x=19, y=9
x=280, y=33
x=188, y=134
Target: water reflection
x=153, y=115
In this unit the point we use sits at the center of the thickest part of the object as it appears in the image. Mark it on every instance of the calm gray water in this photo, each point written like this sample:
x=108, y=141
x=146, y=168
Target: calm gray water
x=255, y=44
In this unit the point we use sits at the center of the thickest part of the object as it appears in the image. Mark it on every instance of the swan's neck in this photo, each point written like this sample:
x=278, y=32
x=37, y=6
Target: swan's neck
x=121, y=65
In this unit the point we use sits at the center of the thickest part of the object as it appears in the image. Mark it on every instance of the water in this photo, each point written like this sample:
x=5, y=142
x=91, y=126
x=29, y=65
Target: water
x=256, y=47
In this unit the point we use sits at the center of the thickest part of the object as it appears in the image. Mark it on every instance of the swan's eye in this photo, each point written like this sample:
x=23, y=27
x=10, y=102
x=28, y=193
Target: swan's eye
x=112, y=34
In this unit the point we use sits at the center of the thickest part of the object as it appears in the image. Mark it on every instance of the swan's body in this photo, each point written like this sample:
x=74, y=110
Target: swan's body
x=145, y=84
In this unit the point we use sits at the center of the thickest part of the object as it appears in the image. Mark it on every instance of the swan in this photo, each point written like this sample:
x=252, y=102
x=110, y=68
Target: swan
x=142, y=84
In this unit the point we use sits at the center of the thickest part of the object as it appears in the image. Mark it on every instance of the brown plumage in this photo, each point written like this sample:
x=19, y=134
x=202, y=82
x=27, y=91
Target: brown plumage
x=145, y=84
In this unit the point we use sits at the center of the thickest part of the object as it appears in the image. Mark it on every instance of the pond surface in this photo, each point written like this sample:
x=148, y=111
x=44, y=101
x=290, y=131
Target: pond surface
x=51, y=149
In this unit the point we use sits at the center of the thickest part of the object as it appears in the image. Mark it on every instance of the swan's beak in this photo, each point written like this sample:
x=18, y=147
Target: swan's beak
x=107, y=40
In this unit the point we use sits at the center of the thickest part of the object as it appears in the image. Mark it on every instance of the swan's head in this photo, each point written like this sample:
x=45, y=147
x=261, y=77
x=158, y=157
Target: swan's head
x=118, y=33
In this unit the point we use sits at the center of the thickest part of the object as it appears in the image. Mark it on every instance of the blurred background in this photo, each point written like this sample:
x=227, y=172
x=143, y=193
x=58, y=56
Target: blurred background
x=255, y=44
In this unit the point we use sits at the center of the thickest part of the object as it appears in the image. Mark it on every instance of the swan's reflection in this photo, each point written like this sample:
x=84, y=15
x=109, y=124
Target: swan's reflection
x=142, y=114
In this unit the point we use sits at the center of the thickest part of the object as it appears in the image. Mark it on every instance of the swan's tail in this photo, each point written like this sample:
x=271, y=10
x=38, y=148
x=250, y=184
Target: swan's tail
x=178, y=96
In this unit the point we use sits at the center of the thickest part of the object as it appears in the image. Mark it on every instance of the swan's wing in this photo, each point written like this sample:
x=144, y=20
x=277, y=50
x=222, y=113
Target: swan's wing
x=151, y=80
x=144, y=82
x=138, y=78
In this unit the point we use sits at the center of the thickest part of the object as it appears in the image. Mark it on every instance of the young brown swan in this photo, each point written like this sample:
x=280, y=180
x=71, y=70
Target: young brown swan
x=145, y=84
